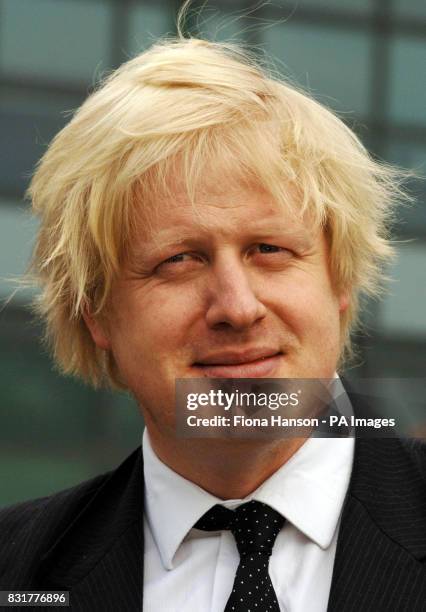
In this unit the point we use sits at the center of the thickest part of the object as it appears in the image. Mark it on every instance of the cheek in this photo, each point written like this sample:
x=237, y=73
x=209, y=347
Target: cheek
x=156, y=321
x=306, y=304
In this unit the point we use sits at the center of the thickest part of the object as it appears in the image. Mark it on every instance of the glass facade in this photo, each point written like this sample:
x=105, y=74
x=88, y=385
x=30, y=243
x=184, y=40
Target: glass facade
x=55, y=40
x=320, y=58
x=366, y=59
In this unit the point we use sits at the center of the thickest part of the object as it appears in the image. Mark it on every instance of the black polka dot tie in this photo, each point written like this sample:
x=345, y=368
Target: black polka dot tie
x=255, y=527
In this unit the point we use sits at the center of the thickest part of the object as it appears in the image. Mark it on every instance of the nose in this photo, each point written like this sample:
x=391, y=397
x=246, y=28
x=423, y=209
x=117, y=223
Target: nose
x=232, y=300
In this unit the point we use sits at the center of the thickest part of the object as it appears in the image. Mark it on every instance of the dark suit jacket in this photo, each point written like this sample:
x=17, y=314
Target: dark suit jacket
x=89, y=539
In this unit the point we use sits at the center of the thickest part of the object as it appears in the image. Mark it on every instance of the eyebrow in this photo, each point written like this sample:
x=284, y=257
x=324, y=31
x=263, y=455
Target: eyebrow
x=193, y=238
x=264, y=227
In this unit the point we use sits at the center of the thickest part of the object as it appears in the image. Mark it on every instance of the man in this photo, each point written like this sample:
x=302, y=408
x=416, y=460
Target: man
x=199, y=218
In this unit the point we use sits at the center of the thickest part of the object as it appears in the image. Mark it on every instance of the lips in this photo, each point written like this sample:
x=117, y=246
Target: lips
x=252, y=363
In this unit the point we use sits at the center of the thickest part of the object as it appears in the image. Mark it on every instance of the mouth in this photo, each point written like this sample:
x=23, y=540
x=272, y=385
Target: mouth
x=258, y=363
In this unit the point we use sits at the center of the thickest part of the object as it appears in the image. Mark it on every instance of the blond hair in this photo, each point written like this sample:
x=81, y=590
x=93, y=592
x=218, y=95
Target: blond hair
x=194, y=101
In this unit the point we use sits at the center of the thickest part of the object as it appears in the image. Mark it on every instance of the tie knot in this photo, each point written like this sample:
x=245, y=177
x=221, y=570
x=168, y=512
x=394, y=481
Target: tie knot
x=254, y=525
x=255, y=528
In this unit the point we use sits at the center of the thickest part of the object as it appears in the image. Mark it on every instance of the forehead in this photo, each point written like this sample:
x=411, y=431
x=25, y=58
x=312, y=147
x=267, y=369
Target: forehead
x=219, y=206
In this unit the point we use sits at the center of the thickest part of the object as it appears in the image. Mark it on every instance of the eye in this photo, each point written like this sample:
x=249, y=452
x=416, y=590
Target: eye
x=270, y=248
x=266, y=249
x=179, y=258
x=181, y=262
x=271, y=255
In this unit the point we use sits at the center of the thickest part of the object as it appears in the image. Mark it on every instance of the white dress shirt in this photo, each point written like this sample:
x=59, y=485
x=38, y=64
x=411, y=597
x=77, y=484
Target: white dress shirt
x=188, y=570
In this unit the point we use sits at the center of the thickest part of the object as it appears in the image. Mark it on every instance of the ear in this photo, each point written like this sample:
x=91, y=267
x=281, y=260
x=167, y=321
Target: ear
x=97, y=330
x=344, y=300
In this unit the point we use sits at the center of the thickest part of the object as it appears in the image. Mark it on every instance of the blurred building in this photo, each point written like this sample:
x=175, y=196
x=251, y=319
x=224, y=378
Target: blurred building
x=364, y=58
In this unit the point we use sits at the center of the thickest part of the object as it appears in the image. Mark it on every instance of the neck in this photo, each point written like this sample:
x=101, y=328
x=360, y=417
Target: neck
x=228, y=469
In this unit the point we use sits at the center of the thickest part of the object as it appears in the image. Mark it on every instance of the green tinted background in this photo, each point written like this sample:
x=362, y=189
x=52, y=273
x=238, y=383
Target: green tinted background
x=364, y=58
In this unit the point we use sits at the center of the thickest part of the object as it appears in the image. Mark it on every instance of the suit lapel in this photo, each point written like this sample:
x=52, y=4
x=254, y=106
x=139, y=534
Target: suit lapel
x=116, y=581
x=373, y=573
x=381, y=550
x=99, y=557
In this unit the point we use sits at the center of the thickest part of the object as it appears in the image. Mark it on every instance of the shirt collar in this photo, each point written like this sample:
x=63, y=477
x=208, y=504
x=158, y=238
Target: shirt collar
x=309, y=490
x=173, y=504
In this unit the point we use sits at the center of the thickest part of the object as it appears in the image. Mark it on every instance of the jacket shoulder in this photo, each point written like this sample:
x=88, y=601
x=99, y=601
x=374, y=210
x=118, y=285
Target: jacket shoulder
x=28, y=528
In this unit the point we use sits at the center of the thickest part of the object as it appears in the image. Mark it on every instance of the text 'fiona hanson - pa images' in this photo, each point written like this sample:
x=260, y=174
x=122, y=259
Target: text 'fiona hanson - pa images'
x=258, y=408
